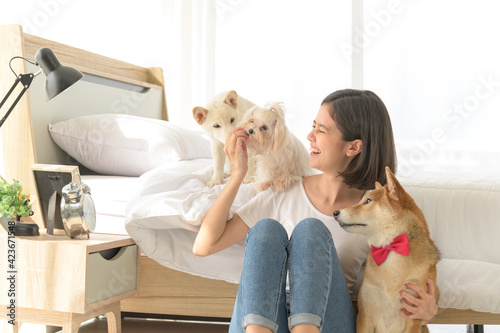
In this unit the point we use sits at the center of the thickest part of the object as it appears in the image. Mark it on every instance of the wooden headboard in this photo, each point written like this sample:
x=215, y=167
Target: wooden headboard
x=25, y=138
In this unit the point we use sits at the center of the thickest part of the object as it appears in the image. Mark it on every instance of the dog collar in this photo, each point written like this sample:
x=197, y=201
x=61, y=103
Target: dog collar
x=400, y=245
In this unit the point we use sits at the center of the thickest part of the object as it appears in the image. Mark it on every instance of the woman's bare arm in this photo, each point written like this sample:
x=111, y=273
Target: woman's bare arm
x=216, y=233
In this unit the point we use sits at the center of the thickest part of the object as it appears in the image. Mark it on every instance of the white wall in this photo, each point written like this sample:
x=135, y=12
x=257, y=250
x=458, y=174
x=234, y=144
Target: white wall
x=131, y=31
x=126, y=30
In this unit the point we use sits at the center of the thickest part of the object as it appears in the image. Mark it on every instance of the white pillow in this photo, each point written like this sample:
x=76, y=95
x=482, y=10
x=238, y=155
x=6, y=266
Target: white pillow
x=125, y=145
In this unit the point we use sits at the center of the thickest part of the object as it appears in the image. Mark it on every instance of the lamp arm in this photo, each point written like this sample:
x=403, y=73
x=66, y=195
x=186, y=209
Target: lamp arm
x=25, y=80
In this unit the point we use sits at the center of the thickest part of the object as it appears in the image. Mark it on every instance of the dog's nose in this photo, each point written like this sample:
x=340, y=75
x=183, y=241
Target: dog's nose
x=336, y=213
x=250, y=131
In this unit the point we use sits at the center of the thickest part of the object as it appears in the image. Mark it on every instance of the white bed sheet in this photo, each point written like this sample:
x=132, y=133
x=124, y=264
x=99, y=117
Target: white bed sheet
x=111, y=195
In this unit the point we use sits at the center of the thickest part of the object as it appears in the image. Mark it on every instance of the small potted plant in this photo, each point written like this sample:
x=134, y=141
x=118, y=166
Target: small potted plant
x=14, y=203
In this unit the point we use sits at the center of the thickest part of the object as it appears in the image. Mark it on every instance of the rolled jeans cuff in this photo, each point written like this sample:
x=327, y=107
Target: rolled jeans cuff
x=253, y=319
x=304, y=318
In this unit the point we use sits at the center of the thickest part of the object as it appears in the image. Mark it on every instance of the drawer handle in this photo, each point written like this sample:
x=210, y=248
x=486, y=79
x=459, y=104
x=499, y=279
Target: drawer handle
x=109, y=253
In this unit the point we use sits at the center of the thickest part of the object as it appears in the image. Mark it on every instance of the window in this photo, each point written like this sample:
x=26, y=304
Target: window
x=436, y=66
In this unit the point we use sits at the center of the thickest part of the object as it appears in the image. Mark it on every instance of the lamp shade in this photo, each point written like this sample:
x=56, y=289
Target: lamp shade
x=59, y=77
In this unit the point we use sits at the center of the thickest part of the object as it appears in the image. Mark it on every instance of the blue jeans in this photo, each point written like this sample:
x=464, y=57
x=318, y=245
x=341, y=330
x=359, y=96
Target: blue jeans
x=318, y=292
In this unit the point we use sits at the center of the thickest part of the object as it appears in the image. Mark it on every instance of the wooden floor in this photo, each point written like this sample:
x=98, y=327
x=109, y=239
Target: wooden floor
x=139, y=325
x=134, y=325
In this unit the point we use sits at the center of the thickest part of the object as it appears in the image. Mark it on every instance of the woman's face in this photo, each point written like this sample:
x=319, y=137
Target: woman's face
x=328, y=150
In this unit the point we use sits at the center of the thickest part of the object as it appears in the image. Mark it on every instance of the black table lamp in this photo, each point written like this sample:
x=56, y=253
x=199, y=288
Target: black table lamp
x=59, y=78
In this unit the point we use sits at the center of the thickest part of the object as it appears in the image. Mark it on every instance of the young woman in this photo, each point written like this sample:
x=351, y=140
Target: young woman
x=298, y=265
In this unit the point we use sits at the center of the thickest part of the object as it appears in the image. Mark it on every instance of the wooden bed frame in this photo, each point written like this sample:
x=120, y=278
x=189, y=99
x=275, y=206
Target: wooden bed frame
x=162, y=291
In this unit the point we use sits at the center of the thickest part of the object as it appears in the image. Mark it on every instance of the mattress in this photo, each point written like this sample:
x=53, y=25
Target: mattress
x=462, y=214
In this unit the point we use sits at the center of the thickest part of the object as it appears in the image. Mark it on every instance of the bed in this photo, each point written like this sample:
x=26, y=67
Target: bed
x=162, y=291
x=130, y=190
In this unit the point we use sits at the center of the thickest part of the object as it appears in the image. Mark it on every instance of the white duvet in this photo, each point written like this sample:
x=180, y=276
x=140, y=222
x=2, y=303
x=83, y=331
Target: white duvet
x=463, y=216
x=164, y=216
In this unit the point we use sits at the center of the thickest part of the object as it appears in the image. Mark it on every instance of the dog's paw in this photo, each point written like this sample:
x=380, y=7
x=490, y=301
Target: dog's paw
x=214, y=181
x=263, y=186
x=282, y=184
x=249, y=180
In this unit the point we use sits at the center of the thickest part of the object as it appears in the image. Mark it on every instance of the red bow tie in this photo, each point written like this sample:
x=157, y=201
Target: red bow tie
x=400, y=244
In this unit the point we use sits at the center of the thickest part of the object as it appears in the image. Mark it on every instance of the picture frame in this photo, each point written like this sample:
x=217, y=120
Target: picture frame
x=49, y=181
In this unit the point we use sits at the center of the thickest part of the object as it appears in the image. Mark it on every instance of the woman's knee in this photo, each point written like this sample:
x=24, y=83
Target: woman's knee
x=267, y=230
x=311, y=226
x=312, y=233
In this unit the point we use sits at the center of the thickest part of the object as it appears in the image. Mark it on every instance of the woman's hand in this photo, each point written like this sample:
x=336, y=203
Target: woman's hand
x=423, y=307
x=236, y=150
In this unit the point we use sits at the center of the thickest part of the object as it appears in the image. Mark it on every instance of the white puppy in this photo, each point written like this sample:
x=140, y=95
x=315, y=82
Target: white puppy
x=280, y=158
x=218, y=119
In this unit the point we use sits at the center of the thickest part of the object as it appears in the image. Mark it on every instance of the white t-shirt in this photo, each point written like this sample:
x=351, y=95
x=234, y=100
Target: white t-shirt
x=292, y=206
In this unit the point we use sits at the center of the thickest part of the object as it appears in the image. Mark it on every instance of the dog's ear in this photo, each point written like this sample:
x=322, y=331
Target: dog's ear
x=280, y=130
x=250, y=112
x=280, y=136
x=200, y=114
x=231, y=99
x=378, y=186
x=394, y=189
x=248, y=115
x=278, y=108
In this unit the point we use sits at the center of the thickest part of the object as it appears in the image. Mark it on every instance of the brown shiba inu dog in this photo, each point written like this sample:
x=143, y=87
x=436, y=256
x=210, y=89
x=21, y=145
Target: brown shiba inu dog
x=402, y=252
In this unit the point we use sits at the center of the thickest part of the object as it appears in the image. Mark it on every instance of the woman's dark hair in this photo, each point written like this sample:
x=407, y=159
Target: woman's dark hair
x=360, y=114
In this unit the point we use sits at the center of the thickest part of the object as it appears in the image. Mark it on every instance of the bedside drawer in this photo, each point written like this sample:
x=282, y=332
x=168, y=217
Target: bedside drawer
x=110, y=274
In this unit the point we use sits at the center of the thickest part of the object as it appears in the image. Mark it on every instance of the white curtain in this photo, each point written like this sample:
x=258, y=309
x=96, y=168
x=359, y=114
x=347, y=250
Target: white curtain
x=277, y=50
x=190, y=57
x=436, y=66
x=285, y=51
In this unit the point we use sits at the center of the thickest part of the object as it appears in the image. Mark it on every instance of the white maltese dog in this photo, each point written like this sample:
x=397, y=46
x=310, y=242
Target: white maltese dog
x=280, y=158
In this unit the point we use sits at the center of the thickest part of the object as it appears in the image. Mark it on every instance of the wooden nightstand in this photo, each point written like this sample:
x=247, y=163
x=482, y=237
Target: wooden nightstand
x=63, y=282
